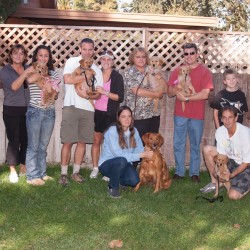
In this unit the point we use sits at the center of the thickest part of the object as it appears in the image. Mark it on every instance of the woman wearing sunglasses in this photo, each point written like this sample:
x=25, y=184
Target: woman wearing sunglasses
x=112, y=94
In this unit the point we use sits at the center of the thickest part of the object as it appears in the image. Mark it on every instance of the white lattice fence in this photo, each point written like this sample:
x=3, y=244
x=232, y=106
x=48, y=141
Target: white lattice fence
x=219, y=50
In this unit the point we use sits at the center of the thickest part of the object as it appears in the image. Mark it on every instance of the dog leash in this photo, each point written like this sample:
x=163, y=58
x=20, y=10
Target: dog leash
x=217, y=198
x=136, y=93
x=93, y=80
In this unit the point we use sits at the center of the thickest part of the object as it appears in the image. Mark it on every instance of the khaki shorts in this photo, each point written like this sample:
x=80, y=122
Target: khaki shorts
x=77, y=125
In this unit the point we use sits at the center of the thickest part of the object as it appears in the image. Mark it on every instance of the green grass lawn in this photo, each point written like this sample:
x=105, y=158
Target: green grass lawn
x=83, y=216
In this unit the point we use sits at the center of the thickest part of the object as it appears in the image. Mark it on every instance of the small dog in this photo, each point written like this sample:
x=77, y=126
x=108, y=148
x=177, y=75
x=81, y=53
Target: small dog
x=85, y=69
x=220, y=170
x=156, y=78
x=49, y=87
x=154, y=171
x=184, y=83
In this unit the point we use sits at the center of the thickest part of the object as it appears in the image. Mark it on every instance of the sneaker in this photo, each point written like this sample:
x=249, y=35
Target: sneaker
x=94, y=173
x=105, y=178
x=77, y=177
x=114, y=193
x=36, y=182
x=13, y=177
x=47, y=178
x=208, y=188
x=64, y=180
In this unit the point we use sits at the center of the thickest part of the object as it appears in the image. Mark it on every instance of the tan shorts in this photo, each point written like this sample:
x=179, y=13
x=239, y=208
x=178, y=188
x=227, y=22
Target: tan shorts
x=77, y=125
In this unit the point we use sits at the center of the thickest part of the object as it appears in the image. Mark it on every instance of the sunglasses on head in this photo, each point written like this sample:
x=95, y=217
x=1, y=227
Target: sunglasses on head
x=191, y=53
x=106, y=52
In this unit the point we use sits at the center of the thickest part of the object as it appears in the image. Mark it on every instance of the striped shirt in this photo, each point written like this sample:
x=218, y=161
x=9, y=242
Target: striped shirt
x=36, y=93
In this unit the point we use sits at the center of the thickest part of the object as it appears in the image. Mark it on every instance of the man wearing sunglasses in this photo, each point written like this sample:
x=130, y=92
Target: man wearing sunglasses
x=189, y=121
x=78, y=113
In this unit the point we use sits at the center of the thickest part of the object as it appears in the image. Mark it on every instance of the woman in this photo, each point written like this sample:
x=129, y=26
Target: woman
x=122, y=145
x=137, y=93
x=39, y=121
x=112, y=94
x=14, y=109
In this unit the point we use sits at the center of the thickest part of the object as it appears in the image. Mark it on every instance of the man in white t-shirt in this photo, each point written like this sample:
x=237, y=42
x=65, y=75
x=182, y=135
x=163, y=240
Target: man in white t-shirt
x=78, y=113
x=232, y=140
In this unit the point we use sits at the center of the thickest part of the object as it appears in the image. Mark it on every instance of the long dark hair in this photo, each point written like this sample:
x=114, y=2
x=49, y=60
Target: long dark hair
x=15, y=48
x=50, y=62
x=120, y=131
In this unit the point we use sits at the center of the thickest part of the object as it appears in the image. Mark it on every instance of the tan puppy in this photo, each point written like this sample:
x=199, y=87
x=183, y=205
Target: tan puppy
x=86, y=85
x=49, y=87
x=184, y=83
x=154, y=171
x=221, y=169
x=156, y=78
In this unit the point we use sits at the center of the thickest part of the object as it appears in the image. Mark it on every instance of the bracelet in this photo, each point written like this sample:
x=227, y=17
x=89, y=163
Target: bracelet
x=107, y=93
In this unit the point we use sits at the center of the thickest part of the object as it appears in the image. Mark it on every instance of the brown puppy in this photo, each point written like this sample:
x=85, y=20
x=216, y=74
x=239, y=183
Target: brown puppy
x=220, y=170
x=184, y=83
x=154, y=171
x=49, y=87
x=156, y=78
x=84, y=69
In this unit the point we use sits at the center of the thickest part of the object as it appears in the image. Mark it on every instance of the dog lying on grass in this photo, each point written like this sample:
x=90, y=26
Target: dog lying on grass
x=221, y=171
x=154, y=171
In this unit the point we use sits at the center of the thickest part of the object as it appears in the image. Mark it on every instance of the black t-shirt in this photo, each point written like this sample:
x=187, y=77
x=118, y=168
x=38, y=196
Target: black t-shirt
x=225, y=98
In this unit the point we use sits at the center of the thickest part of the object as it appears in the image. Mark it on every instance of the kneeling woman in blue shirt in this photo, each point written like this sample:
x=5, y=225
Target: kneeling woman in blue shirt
x=122, y=145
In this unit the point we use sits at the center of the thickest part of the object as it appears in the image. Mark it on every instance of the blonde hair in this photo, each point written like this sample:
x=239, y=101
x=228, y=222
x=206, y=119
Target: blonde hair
x=133, y=53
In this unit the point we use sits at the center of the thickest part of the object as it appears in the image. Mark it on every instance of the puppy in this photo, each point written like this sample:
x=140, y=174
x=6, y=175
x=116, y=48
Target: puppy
x=184, y=83
x=156, y=78
x=49, y=87
x=221, y=169
x=154, y=171
x=84, y=69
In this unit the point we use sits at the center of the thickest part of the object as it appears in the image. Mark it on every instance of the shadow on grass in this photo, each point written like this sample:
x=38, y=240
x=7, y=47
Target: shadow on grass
x=83, y=216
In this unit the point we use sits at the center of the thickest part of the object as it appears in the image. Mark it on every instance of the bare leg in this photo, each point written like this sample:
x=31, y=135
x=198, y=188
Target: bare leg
x=79, y=153
x=209, y=152
x=96, y=148
x=65, y=153
x=12, y=169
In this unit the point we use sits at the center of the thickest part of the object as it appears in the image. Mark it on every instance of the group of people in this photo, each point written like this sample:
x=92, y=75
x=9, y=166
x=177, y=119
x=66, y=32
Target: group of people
x=123, y=111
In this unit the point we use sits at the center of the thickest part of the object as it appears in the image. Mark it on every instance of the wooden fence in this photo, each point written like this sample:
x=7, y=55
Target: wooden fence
x=220, y=50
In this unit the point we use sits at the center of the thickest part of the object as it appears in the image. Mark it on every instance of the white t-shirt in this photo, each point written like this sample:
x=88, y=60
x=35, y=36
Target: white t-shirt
x=71, y=98
x=236, y=147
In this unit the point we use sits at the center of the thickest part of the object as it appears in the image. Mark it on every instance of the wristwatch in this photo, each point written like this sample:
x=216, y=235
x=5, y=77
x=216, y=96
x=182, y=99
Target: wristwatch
x=187, y=99
x=107, y=93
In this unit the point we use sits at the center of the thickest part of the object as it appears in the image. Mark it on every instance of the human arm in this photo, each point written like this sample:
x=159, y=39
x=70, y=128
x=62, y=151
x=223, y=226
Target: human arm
x=147, y=93
x=238, y=170
x=202, y=95
x=110, y=95
x=216, y=118
x=22, y=78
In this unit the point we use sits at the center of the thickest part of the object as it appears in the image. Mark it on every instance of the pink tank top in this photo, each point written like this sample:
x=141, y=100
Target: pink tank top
x=102, y=103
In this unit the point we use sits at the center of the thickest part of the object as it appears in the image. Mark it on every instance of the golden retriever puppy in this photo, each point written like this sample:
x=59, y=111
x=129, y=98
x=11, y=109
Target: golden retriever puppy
x=184, y=83
x=154, y=171
x=156, y=78
x=221, y=170
x=49, y=87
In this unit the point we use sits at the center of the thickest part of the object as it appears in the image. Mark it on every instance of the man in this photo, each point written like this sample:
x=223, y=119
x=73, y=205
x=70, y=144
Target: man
x=232, y=140
x=78, y=113
x=189, y=120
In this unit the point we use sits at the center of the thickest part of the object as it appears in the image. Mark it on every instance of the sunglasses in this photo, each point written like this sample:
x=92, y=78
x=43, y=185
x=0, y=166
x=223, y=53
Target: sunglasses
x=106, y=52
x=191, y=53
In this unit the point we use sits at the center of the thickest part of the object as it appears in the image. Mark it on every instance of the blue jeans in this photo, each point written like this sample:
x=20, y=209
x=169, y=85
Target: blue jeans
x=194, y=129
x=120, y=171
x=40, y=124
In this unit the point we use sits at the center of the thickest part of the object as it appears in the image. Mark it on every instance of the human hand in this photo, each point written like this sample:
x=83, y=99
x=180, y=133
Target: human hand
x=147, y=154
x=100, y=90
x=180, y=97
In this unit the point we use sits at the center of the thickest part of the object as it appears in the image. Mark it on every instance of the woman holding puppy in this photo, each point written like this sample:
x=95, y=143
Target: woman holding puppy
x=122, y=145
x=40, y=119
x=138, y=92
x=112, y=94
x=15, y=105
